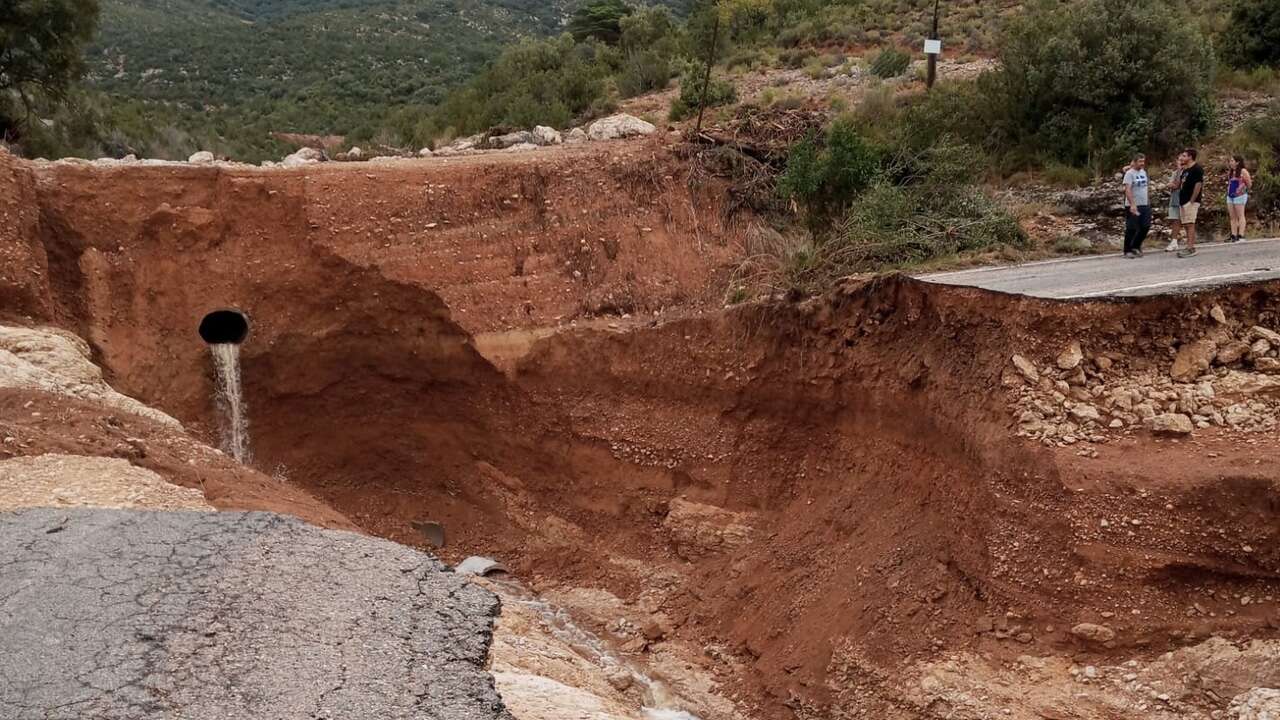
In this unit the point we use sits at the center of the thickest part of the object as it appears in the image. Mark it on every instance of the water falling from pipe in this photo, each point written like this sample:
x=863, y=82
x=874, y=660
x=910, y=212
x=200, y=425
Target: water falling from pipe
x=235, y=423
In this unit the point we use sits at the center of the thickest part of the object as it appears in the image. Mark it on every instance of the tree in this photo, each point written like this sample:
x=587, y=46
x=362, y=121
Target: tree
x=1253, y=38
x=709, y=33
x=41, y=50
x=600, y=19
x=1094, y=80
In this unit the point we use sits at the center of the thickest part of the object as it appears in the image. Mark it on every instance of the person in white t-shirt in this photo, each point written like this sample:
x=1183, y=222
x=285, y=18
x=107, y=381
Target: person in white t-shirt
x=1137, y=206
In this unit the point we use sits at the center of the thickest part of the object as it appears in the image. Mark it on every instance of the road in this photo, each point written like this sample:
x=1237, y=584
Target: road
x=1157, y=273
x=134, y=615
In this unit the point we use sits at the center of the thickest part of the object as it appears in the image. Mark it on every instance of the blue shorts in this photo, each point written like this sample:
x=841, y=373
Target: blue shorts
x=1238, y=200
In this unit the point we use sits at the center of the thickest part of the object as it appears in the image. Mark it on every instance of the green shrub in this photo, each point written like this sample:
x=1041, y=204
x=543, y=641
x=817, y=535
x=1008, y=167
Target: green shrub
x=599, y=20
x=825, y=174
x=651, y=42
x=1066, y=176
x=1253, y=35
x=1095, y=80
x=890, y=62
x=719, y=92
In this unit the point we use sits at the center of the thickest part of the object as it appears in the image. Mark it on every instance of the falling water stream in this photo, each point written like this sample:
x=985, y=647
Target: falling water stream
x=235, y=424
x=659, y=702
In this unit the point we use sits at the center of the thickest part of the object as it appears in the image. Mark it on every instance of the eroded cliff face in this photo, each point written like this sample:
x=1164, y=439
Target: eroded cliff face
x=817, y=506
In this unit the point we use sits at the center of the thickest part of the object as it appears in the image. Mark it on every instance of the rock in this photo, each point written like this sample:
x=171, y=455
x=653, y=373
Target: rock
x=652, y=631
x=478, y=565
x=1091, y=201
x=635, y=645
x=619, y=126
x=1026, y=368
x=1172, y=424
x=543, y=135
x=355, y=153
x=1070, y=358
x=1085, y=411
x=304, y=156
x=1236, y=384
x=1268, y=365
x=425, y=152
x=699, y=530
x=1231, y=351
x=522, y=147
x=1257, y=704
x=1193, y=359
x=1092, y=632
x=620, y=680
x=1104, y=363
x=576, y=135
x=1218, y=315
x=1260, y=347
x=520, y=137
x=1270, y=336
x=203, y=157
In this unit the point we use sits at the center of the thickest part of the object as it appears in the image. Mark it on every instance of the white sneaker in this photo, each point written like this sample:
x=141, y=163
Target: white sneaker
x=1172, y=246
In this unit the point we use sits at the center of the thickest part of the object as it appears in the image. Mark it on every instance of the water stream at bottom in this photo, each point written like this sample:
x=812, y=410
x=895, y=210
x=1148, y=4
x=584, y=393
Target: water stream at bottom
x=235, y=423
x=659, y=702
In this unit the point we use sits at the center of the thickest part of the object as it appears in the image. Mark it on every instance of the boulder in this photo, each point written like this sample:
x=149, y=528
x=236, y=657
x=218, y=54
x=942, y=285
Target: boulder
x=1084, y=412
x=1092, y=201
x=1218, y=315
x=203, y=157
x=619, y=126
x=1071, y=357
x=1268, y=365
x=699, y=530
x=1172, y=425
x=1092, y=632
x=1257, y=704
x=425, y=152
x=520, y=137
x=355, y=153
x=1260, y=347
x=521, y=147
x=1193, y=359
x=1027, y=369
x=1231, y=352
x=543, y=135
x=304, y=156
x=1270, y=336
x=576, y=135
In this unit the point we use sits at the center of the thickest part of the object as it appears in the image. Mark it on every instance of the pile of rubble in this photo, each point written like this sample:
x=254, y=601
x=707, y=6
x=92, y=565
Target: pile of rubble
x=1228, y=378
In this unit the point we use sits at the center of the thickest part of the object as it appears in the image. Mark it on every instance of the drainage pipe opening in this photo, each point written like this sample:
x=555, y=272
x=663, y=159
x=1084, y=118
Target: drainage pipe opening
x=223, y=327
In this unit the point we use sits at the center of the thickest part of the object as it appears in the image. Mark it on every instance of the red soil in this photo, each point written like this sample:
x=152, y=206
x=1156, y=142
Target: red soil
x=866, y=433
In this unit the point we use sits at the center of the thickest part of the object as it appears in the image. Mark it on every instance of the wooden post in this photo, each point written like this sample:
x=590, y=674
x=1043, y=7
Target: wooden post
x=933, y=58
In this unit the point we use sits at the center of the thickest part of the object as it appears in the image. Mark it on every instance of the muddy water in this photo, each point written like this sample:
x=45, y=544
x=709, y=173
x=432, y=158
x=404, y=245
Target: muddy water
x=659, y=702
x=235, y=422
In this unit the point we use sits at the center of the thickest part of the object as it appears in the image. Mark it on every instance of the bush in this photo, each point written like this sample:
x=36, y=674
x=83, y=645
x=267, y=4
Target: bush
x=548, y=82
x=1096, y=80
x=719, y=92
x=1253, y=38
x=889, y=63
x=826, y=176
x=600, y=20
x=1066, y=176
x=651, y=41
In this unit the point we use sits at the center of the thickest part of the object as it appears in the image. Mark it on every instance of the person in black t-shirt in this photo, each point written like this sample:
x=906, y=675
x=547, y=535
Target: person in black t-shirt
x=1189, y=195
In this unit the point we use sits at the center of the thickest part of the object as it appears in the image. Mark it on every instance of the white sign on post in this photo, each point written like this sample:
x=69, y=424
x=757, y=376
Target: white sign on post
x=932, y=47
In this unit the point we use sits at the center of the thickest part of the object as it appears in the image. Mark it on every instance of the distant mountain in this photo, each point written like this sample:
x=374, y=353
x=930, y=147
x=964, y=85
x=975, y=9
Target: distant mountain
x=310, y=65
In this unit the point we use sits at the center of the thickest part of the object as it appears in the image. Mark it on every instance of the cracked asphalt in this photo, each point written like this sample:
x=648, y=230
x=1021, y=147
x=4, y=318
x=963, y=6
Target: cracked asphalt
x=123, y=614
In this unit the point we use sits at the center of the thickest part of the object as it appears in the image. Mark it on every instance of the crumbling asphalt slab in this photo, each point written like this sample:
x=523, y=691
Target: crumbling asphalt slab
x=131, y=614
x=1158, y=273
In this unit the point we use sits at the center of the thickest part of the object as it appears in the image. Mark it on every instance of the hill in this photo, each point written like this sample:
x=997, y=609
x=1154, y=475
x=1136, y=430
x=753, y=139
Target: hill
x=301, y=65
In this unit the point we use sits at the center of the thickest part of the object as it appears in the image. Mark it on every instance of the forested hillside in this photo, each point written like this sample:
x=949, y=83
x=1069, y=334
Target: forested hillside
x=306, y=65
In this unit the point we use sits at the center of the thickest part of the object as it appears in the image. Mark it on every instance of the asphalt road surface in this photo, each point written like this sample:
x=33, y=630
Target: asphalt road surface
x=209, y=616
x=1157, y=273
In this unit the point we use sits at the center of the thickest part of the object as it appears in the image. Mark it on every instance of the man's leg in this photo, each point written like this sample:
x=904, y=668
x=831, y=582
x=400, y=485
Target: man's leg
x=1190, y=229
x=1144, y=227
x=1130, y=230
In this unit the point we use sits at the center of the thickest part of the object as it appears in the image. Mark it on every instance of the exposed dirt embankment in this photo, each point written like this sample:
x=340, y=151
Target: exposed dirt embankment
x=806, y=499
